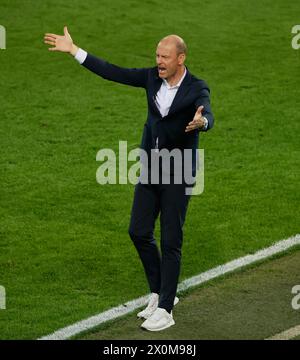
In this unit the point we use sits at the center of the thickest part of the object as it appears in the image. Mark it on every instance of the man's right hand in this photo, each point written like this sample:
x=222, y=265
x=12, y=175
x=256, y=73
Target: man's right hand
x=61, y=43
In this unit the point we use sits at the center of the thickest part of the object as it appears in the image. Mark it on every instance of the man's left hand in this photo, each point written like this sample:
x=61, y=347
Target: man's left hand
x=197, y=122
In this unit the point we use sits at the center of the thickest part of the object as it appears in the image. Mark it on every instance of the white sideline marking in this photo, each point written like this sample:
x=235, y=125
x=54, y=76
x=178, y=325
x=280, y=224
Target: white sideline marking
x=287, y=334
x=89, y=323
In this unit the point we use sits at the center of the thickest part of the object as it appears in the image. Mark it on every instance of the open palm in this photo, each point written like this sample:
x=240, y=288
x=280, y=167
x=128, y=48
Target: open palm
x=61, y=43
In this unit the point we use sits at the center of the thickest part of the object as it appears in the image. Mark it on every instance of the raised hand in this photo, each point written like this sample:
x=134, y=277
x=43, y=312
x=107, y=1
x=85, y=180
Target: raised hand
x=61, y=43
x=197, y=122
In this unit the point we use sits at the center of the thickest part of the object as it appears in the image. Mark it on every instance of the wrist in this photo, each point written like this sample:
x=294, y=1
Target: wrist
x=74, y=49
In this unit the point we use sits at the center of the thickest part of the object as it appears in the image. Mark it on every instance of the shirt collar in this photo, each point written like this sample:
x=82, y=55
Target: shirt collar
x=179, y=82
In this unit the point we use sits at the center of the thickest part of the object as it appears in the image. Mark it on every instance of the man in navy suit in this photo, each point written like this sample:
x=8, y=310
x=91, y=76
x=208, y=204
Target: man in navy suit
x=178, y=109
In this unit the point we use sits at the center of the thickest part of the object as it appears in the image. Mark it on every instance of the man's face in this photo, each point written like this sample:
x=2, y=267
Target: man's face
x=167, y=60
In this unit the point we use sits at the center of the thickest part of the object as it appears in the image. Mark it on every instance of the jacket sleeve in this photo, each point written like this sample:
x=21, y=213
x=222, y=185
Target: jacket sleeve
x=203, y=99
x=133, y=77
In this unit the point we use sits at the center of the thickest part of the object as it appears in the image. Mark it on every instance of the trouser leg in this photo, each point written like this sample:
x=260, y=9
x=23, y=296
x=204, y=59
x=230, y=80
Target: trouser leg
x=174, y=203
x=144, y=212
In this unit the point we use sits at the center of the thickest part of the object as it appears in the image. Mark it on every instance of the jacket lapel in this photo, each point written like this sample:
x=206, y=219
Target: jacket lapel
x=156, y=87
x=183, y=90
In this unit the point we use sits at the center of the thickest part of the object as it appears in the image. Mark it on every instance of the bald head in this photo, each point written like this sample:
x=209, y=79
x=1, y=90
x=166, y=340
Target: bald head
x=176, y=41
x=170, y=57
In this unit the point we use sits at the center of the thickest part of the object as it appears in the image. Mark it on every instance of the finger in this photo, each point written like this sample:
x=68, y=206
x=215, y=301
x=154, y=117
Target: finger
x=53, y=35
x=200, y=108
x=189, y=128
x=49, y=38
x=66, y=32
x=193, y=122
x=50, y=43
x=52, y=49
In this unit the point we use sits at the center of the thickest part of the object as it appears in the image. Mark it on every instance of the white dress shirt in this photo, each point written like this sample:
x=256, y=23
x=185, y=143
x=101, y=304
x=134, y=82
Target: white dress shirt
x=80, y=56
x=164, y=96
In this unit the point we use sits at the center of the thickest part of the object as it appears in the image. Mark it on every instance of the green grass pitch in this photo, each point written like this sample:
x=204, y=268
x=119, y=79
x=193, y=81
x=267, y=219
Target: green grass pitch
x=64, y=249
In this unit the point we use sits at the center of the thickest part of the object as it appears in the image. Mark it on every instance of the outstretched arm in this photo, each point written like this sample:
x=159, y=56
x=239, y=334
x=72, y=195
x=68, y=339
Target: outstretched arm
x=64, y=43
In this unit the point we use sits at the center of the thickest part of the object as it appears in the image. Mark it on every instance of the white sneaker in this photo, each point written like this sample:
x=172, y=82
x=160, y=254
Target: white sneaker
x=152, y=306
x=159, y=320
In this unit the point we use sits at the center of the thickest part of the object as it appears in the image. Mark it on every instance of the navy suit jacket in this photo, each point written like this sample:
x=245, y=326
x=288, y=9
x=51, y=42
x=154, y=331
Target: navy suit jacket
x=170, y=129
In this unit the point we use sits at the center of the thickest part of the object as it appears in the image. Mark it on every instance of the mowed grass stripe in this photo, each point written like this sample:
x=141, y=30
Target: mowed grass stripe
x=127, y=308
x=252, y=303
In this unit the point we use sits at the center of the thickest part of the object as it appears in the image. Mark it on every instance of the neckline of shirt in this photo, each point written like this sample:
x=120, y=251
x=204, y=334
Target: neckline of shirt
x=178, y=84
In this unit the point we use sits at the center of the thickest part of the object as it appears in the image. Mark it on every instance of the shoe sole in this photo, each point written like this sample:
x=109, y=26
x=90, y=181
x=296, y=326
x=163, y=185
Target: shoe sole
x=176, y=301
x=162, y=328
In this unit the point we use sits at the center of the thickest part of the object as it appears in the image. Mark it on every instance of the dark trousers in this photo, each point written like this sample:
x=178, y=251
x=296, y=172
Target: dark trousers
x=162, y=271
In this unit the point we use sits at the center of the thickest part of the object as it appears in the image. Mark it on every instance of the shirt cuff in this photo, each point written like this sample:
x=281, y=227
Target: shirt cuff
x=205, y=125
x=80, y=56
